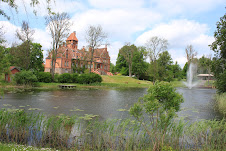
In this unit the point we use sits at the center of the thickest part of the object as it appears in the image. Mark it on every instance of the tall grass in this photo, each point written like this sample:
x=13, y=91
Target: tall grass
x=221, y=103
x=88, y=133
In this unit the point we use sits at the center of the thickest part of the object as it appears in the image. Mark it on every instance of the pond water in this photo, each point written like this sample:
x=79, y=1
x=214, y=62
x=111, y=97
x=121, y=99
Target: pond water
x=106, y=103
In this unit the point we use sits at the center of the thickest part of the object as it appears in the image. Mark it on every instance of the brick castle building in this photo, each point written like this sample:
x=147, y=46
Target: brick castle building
x=70, y=59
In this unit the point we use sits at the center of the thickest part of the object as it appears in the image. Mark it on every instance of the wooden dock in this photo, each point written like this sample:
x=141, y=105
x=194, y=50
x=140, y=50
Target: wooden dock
x=66, y=86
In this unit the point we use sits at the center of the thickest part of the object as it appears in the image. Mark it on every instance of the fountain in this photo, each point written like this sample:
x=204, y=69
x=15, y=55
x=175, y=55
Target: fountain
x=191, y=73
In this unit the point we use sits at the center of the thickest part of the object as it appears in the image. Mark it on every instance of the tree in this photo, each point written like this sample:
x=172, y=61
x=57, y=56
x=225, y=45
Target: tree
x=219, y=60
x=177, y=71
x=139, y=64
x=94, y=37
x=33, y=3
x=127, y=52
x=36, y=58
x=25, y=35
x=155, y=46
x=58, y=24
x=156, y=111
x=190, y=53
x=164, y=63
x=122, y=65
x=112, y=68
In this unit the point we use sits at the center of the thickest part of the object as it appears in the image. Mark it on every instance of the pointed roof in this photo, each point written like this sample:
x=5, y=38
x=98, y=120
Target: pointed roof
x=72, y=37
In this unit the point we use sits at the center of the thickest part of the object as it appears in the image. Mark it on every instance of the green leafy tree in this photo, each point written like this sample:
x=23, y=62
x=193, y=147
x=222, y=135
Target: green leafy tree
x=177, y=71
x=155, y=46
x=164, y=66
x=127, y=52
x=36, y=58
x=160, y=105
x=139, y=64
x=219, y=60
x=122, y=65
x=112, y=68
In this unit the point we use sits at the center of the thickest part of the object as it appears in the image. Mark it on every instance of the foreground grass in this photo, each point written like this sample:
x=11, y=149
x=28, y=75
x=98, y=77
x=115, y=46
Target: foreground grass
x=221, y=103
x=85, y=133
x=15, y=147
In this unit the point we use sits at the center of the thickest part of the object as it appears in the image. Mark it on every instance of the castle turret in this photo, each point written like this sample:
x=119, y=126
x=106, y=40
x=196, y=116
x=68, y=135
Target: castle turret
x=72, y=41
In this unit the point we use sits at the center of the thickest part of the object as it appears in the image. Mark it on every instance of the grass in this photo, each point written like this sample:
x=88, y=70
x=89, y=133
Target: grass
x=88, y=133
x=221, y=103
x=15, y=147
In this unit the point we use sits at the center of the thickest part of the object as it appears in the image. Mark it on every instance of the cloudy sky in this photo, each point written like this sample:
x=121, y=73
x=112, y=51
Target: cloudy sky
x=181, y=22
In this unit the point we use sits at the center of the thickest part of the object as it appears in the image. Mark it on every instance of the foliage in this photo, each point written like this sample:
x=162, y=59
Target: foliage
x=36, y=58
x=160, y=105
x=219, y=60
x=139, y=64
x=25, y=78
x=65, y=78
x=127, y=52
x=89, y=78
x=164, y=63
x=33, y=4
x=221, y=103
x=122, y=65
x=204, y=65
x=74, y=77
x=44, y=77
x=112, y=68
x=4, y=62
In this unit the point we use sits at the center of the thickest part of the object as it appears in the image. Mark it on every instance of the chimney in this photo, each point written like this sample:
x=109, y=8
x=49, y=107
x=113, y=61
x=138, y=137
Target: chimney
x=75, y=32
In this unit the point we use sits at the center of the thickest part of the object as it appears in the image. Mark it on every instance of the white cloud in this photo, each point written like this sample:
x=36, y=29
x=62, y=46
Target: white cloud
x=172, y=7
x=40, y=36
x=106, y=4
x=179, y=34
x=120, y=24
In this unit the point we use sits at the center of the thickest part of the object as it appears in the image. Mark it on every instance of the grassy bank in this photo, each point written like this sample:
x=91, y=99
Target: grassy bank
x=221, y=103
x=15, y=147
x=87, y=133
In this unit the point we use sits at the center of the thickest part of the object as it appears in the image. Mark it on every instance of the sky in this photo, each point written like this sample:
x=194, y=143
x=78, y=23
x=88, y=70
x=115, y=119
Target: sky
x=181, y=22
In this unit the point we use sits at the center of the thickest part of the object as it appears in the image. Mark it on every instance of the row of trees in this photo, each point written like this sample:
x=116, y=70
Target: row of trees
x=132, y=61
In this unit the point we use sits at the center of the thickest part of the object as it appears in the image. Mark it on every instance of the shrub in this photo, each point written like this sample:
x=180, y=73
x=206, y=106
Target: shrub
x=25, y=77
x=65, y=78
x=89, y=78
x=74, y=77
x=56, y=76
x=44, y=77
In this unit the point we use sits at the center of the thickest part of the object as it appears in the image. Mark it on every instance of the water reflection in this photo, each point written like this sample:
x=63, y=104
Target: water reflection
x=105, y=103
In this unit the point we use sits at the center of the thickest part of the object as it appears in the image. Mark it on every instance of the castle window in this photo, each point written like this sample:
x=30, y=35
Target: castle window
x=67, y=54
x=65, y=63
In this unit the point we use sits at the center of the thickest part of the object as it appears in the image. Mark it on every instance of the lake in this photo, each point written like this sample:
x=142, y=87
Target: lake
x=198, y=104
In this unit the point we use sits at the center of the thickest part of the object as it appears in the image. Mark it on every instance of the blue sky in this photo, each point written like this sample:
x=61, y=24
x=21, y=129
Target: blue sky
x=181, y=22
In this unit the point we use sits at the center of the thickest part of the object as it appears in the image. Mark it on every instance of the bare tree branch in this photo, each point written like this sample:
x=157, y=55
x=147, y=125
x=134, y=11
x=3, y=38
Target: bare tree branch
x=58, y=24
x=95, y=37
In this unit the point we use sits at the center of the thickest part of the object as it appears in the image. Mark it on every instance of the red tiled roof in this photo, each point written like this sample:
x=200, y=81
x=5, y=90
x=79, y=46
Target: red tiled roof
x=72, y=37
x=11, y=67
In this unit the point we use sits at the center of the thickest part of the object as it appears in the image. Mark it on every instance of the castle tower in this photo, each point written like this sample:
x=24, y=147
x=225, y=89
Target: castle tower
x=72, y=41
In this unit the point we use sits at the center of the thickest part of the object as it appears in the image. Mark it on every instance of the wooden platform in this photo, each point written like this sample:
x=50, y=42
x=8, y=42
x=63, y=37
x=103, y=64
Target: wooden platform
x=66, y=86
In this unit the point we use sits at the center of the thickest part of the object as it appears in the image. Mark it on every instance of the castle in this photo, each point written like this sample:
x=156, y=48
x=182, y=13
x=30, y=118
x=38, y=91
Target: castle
x=72, y=60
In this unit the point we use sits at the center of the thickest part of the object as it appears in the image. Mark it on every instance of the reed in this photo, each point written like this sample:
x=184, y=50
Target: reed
x=88, y=133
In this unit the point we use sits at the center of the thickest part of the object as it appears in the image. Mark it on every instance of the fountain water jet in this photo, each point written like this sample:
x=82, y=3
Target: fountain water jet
x=191, y=73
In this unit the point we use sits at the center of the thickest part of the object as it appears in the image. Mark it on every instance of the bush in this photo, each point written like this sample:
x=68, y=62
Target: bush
x=25, y=77
x=56, y=76
x=74, y=77
x=44, y=77
x=65, y=78
x=221, y=82
x=89, y=78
